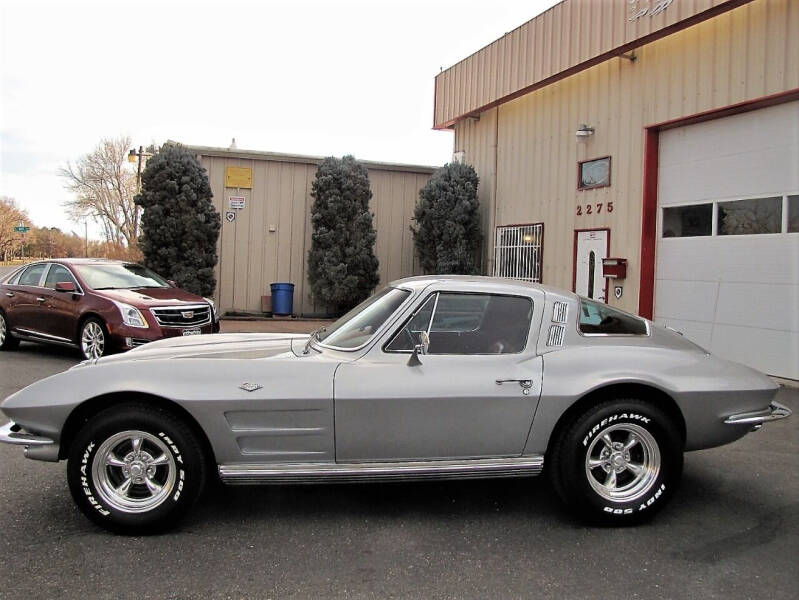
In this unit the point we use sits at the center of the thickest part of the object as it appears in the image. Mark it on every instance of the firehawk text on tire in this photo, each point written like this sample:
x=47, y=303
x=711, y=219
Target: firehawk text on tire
x=135, y=469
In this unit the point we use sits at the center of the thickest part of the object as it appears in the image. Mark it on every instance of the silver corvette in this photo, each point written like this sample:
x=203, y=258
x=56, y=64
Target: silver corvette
x=431, y=378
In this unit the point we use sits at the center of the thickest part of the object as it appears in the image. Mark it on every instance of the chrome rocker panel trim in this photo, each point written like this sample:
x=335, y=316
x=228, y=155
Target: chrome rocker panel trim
x=774, y=412
x=248, y=474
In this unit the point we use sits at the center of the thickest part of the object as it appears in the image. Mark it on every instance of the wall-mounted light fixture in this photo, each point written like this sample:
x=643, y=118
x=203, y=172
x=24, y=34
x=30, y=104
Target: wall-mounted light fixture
x=584, y=131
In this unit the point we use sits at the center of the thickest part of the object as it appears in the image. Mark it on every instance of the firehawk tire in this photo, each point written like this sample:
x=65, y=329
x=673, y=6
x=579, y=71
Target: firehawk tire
x=618, y=463
x=136, y=469
x=7, y=341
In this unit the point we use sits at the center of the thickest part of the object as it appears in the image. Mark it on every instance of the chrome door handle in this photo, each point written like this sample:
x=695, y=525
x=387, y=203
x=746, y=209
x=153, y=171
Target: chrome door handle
x=9, y=294
x=40, y=299
x=525, y=383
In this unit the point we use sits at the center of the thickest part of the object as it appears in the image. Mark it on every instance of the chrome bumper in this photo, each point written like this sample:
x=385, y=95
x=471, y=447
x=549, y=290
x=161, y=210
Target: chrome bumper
x=774, y=412
x=11, y=433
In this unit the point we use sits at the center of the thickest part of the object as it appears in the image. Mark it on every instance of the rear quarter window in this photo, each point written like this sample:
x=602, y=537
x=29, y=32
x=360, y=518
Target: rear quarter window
x=600, y=319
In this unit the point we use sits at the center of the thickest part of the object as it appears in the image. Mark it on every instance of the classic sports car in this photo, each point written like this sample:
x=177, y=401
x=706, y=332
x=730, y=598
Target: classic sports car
x=431, y=378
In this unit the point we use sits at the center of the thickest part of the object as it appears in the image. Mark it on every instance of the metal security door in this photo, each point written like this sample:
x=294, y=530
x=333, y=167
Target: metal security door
x=591, y=248
x=518, y=250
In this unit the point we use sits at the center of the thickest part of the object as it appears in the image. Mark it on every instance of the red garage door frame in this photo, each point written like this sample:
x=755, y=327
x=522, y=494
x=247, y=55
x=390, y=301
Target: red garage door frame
x=646, y=294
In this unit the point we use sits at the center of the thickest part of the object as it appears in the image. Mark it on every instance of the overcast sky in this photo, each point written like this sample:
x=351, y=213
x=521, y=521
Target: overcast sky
x=294, y=76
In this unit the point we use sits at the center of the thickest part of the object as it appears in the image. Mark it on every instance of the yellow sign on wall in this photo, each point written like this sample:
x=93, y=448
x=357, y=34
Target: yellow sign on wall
x=238, y=177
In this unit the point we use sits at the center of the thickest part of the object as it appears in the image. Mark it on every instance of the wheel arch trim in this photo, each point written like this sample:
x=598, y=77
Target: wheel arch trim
x=87, y=409
x=628, y=389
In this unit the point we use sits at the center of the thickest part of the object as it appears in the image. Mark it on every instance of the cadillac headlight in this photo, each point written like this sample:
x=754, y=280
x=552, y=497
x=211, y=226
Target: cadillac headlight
x=131, y=316
x=213, y=308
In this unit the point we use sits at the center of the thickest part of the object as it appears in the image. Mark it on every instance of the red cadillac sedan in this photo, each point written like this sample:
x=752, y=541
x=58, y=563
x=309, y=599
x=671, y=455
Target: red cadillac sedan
x=98, y=306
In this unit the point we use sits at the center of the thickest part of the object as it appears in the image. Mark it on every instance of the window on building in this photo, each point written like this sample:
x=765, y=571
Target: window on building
x=461, y=323
x=746, y=217
x=688, y=221
x=518, y=251
x=793, y=214
x=598, y=318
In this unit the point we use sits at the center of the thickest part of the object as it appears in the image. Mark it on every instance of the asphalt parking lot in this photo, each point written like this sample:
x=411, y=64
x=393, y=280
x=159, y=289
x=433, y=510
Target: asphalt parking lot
x=731, y=531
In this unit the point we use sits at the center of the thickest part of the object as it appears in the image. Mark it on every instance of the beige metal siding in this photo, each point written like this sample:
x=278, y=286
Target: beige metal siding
x=741, y=55
x=571, y=34
x=251, y=257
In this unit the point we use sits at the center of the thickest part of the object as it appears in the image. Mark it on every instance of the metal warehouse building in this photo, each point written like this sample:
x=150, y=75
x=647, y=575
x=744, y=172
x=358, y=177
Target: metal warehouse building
x=265, y=202
x=664, y=133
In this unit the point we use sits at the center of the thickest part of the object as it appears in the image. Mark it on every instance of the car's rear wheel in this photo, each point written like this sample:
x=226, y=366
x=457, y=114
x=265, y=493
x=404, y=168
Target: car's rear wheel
x=7, y=341
x=93, y=339
x=135, y=469
x=618, y=462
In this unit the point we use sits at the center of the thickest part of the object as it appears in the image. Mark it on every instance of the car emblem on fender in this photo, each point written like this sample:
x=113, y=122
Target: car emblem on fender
x=189, y=314
x=250, y=387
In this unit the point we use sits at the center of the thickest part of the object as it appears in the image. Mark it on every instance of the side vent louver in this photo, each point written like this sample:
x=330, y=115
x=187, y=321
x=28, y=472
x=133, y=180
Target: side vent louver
x=556, y=334
x=560, y=312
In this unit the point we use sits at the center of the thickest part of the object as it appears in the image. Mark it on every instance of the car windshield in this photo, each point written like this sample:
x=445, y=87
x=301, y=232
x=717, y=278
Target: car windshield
x=119, y=276
x=359, y=325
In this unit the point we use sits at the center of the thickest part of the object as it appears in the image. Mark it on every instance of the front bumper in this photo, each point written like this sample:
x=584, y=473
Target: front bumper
x=774, y=412
x=37, y=447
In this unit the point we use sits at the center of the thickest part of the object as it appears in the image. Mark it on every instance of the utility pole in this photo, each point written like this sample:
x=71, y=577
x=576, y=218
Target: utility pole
x=86, y=235
x=134, y=156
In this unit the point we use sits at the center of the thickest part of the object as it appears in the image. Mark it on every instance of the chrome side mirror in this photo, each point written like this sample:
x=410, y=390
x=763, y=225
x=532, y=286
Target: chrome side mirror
x=420, y=348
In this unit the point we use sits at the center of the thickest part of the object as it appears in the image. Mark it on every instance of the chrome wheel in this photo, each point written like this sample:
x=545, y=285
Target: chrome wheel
x=2, y=330
x=622, y=462
x=134, y=471
x=92, y=340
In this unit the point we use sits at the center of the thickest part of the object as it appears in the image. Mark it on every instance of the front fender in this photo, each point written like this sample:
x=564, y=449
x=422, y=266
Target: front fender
x=238, y=423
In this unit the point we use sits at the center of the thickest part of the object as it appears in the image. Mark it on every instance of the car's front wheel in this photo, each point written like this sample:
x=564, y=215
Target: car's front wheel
x=618, y=462
x=93, y=339
x=7, y=341
x=135, y=469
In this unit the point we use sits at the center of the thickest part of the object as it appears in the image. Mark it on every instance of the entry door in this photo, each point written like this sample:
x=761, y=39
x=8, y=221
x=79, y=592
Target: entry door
x=473, y=395
x=592, y=247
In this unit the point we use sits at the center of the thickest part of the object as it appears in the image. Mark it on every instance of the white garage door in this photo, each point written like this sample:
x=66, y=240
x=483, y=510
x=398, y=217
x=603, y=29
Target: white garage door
x=727, y=271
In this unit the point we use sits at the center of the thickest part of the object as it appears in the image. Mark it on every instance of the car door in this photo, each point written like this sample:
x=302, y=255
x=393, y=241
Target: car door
x=474, y=394
x=61, y=309
x=27, y=310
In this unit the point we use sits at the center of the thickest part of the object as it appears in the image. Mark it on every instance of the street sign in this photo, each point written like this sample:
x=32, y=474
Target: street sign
x=22, y=229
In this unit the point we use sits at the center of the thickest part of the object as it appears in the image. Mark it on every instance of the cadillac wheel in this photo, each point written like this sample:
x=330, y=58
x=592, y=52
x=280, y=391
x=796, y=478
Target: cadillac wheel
x=7, y=342
x=93, y=339
x=134, y=468
x=618, y=462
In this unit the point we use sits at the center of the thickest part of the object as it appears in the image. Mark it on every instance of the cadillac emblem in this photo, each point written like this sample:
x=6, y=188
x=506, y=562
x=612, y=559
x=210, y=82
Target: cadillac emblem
x=250, y=387
x=188, y=314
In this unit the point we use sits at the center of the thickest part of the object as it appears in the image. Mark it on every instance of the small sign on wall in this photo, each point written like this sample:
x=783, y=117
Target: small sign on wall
x=230, y=216
x=237, y=202
x=593, y=173
x=238, y=177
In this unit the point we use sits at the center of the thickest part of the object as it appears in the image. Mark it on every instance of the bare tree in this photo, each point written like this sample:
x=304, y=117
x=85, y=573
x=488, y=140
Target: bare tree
x=104, y=189
x=10, y=216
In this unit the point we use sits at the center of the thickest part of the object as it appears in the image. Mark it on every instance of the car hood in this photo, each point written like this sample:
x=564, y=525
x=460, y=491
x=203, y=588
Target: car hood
x=147, y=297
x=221, y=346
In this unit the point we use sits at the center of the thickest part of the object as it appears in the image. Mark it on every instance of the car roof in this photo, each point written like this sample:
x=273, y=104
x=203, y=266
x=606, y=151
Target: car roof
x=492, y=283
x=89, y=261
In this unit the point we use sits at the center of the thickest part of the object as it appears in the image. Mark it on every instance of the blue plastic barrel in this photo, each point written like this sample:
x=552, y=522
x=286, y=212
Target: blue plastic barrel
x=282, y=298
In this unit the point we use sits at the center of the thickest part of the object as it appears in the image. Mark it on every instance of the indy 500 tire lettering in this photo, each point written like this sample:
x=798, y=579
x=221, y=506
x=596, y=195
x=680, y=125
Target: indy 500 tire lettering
x=135, y=467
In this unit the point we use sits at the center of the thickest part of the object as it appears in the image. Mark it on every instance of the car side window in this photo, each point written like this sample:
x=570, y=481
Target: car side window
x=32, y=275
x=58, y=274
x=597, y=318
x=463, y=323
